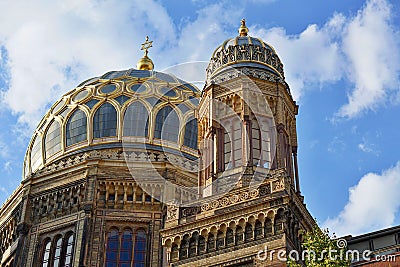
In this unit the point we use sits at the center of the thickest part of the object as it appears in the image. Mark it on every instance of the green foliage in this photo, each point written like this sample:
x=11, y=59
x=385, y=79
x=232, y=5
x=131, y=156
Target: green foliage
x=329, y=251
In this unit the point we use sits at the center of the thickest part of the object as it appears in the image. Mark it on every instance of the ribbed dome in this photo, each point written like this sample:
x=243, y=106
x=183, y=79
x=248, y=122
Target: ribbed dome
x=146, y=109
x=244, y=51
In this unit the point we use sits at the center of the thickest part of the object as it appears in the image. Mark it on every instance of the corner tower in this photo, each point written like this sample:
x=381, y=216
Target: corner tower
x=248, y=175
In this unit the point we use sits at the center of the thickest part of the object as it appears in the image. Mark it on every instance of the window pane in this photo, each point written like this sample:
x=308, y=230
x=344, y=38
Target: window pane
x=125, y=254
x=36, y=153
x=190, y=139
x=112, y=248
x=76, y=130
x=136, y=120
x=167, y=125
x=105, y=121
x=53, y=139
x=68, y=253
x=140, y=249
x=46, y=253
x=57, y=252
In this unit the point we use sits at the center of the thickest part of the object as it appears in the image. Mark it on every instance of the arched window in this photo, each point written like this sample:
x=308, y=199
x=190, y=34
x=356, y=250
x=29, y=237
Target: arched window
x=184, y=247
x=139, y=259
x=46, y=253
x=248, y=232
x=105, y=121
x=69, y=251
x=174, y=252
x=239, y=235
x=220, y=240
x=229, y=237
x=267, y=227
x=57, y=252
x=53, y=139
x=193, y=244
x=258, y=230
x=36, y=153
x=202, y=244
x=211, y=242
x=279, y=220
x=125, y=253
x=190, y=138
x=167, y=125
x=112, y=248
x=76, y=130
x=136, y=120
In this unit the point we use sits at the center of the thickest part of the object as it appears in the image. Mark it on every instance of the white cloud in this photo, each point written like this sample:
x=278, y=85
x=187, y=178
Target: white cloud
x=365, y=49
x=371, y=44
x=52, y=46
x=309, y=57
x=372, y=205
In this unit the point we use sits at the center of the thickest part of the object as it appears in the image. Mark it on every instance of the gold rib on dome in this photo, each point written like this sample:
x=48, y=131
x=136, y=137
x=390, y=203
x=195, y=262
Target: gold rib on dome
x=145, y=63
x=243, y=30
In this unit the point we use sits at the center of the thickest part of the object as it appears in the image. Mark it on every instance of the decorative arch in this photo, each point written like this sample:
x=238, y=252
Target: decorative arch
x=76, y=128
x=105, y=121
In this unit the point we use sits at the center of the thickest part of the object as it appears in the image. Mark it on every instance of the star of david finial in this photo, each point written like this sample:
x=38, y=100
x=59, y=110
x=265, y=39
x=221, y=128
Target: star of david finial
x=146, y=45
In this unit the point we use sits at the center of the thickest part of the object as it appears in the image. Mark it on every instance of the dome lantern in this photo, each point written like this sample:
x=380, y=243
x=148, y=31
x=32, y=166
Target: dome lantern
x=145, y=63
x=243, y=30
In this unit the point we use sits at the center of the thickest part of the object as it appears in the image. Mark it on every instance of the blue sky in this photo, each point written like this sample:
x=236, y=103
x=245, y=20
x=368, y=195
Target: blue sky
x=341, y=60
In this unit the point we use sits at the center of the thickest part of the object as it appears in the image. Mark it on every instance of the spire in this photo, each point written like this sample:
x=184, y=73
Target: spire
x=145, y=63
x=243, y=30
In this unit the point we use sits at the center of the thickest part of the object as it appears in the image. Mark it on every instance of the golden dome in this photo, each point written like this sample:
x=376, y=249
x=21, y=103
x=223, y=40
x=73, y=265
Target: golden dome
x=119, y=107
x=145, y=63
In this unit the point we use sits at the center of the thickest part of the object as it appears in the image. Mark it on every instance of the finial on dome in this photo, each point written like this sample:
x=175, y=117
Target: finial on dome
x=243, y=30
x=145, y=63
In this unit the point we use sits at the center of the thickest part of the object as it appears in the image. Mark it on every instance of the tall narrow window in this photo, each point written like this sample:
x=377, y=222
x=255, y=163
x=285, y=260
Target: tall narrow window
x=57, y=252
x=237, y=142
x=167, y=125
x=105, y=121
x=136, y=120
x=139, y=259
x=36, y=153
x=76, y=130
x=53, y=139
x=69, y=251
x=46, y=253
x=190, y=138
x=125, y=253
x=227, y=146
x=256, y=142
x=112, y=248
